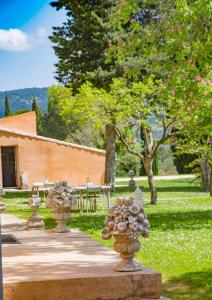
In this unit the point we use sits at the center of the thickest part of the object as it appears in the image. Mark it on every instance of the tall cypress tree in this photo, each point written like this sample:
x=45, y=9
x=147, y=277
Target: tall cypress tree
x=39, y=116
x=34, y=105
x=52, y=118
x=7, y=105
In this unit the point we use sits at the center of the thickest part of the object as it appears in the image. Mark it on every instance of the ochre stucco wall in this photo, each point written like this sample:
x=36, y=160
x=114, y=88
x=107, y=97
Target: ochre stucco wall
x=41, y=159
x=24, y=122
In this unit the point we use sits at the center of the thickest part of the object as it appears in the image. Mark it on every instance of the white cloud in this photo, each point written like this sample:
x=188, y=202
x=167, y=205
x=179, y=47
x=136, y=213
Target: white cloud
x=18, y=41
x=14, y=40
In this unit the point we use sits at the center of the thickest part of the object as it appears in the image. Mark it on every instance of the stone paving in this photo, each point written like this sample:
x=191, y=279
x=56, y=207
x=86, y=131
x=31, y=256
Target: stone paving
x=12, y=223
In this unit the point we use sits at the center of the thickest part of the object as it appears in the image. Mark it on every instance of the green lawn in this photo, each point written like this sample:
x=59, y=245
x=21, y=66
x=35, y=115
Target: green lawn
x=180, y=245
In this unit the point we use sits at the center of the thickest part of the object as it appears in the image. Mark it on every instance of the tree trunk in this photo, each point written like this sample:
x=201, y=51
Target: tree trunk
x=110, y=155
x=149, y=171
x=148, y=163
x=205, y=173
x=210, y=179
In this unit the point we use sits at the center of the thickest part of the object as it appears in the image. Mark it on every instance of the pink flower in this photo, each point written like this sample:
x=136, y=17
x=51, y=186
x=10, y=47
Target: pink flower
x=197, y=77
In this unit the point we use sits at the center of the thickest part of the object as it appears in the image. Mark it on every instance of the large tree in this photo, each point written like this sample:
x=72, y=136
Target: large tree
x=126, y=106
x=176, y=46
x=80, y=45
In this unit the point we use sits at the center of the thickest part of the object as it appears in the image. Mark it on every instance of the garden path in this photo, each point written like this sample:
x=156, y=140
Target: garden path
x=11, y=223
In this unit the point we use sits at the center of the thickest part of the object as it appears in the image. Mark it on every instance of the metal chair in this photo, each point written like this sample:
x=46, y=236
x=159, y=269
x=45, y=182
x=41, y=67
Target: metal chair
x=90, y=197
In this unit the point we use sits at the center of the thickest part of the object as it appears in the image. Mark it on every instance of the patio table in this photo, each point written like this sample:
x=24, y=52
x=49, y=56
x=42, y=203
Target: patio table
x=85, y=190
x=45, y=185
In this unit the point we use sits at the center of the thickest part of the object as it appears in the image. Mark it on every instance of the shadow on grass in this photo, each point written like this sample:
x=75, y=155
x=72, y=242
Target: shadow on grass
x=17, y=195
x=166, y=221
x=49, y=223
x=86, y=222
x=13, y=195
x=162, y=189
x=192, y=286
x=176, y=220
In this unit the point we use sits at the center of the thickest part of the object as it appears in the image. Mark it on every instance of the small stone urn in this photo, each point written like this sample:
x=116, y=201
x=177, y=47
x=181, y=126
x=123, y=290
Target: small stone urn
x=131, y=182
x=60, y=200
x=35, y=221
x=126, y=222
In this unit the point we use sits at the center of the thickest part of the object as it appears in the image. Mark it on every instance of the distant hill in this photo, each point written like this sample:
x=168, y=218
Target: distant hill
x=22, y=99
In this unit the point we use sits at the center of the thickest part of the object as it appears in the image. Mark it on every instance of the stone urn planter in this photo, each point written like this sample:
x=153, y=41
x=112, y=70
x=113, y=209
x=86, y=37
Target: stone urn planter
x=35, y=221
x=126, y=222
x=60, y=200
x=131, y=182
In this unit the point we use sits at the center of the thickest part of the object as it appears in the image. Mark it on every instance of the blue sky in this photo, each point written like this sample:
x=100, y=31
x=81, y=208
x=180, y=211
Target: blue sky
x=26, y=55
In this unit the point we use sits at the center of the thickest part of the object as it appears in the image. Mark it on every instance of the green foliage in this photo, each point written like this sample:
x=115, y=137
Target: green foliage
x=183, y=161
x=166, y=161
x=87, y=135
x=113, y=107
x=126, y=162
x=6, y=105
x=81, y=42
x=53, y=124
x=177, y=44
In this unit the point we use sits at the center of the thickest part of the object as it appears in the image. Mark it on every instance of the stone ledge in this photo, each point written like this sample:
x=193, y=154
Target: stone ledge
x=71, y=266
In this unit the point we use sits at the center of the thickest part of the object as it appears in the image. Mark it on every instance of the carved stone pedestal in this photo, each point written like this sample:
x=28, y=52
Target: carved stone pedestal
x=127, y=248
x=35, y=222
x=61, y=215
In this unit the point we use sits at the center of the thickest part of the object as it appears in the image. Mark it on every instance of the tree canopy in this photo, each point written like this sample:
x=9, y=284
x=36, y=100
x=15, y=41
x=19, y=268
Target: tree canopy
x=80, y=43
